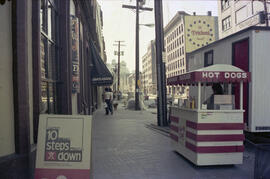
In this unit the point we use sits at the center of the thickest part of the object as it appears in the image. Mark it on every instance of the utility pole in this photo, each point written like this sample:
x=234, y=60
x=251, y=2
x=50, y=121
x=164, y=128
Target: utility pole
x=138, y=7
x=266, y=13
x=161, y=77
x=144, y=89
x=119, y=53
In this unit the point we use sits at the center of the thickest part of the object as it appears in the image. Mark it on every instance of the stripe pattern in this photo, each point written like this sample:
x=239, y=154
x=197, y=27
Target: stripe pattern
x=174, y=128
x=229, y=141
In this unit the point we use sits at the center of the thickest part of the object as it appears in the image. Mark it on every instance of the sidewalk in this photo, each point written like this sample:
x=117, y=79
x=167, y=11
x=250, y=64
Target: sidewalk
x=125, y=145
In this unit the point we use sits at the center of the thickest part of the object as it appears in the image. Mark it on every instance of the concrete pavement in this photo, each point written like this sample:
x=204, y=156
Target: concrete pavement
x=125, y=145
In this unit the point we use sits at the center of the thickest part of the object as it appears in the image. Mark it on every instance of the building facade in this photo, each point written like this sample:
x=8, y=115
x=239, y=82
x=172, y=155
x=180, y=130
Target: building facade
x=102, y=51
x=183, y=34
x=238, y=15
x=48, y=53
x=124, y=75
x=149, y=75
x=131, y=83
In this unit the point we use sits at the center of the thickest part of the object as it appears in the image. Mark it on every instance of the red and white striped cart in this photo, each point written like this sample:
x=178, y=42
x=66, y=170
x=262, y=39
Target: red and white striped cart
x=210, y=137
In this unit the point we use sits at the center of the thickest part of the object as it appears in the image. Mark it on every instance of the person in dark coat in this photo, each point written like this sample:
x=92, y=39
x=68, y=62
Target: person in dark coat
x=108, y=99
x=217, y=90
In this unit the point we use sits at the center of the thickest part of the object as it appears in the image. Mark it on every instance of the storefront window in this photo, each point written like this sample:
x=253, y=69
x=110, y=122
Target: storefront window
x=48, y=55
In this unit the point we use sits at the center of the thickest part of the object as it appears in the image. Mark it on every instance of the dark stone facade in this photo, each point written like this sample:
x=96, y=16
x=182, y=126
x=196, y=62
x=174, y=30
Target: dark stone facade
x=21, y=164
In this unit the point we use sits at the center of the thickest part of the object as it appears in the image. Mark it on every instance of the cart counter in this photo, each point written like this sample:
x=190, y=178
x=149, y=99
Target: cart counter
x=208, y=137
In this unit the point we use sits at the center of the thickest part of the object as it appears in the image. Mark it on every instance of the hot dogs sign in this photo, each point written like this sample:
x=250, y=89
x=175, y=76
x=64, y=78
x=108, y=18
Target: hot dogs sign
x=209, y=76
x=222, y=75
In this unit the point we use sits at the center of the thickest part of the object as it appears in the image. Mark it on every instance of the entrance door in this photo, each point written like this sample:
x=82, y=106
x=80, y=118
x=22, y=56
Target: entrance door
x=240, y=59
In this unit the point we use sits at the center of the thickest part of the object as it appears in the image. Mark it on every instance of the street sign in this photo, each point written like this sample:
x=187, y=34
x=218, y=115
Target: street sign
x=64, y=147
x=139, y=83
x=251, y=21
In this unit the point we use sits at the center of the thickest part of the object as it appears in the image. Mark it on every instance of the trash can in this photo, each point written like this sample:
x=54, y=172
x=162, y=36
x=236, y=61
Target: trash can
x=262, y=164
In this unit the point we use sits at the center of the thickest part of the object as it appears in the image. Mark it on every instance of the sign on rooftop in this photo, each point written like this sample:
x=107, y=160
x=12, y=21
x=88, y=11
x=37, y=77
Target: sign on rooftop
x=199, y=31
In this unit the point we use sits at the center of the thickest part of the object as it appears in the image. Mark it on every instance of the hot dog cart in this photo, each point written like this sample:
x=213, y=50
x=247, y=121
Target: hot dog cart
x=210, y=136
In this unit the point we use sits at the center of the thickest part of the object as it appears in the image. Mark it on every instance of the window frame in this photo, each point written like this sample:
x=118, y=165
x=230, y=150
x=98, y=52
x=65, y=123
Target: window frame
x=225, y=4
x=229, y=18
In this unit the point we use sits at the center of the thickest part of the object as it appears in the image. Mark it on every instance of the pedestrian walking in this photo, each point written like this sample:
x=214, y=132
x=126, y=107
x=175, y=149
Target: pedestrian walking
x=108, y=99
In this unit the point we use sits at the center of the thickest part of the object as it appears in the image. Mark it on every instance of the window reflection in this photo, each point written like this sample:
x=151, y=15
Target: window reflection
x=51, y=62
x=52, y=98
x=48, y=57
x=51, y=21
x=44, y=98
x=43, y=15
x=43, y=49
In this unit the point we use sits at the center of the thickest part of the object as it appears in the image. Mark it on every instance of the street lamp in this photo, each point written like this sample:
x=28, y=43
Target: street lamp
x=148, y=25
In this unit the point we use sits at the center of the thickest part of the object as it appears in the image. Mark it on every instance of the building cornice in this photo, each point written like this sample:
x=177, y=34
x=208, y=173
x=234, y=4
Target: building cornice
x=174, y=20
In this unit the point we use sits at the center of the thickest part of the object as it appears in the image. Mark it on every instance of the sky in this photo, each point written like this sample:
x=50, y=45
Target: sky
x=119, y=24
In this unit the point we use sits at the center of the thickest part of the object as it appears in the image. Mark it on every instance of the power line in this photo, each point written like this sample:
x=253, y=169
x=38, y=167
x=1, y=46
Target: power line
x=138, y=7
x=118, y=53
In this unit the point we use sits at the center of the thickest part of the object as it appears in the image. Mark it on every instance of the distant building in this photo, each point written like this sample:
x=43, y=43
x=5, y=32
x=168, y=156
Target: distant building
x=238, y=15
x=131, y=83
x=183, y=34
x=124, y=74
x=149, y=75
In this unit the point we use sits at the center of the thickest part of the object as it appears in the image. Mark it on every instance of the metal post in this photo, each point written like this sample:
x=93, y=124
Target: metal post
x=161, y=78
x=144, y=83
x=118, y=84
x=199, y=96
x=119, y=66
x=241, y=95
x=137, y=59
x=266, y=13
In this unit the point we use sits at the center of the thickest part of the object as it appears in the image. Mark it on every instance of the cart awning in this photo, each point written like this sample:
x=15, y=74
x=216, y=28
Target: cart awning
x=100, y=74
x=212, y=74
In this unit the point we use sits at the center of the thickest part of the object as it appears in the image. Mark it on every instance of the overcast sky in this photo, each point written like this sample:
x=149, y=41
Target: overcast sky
x=119, y=24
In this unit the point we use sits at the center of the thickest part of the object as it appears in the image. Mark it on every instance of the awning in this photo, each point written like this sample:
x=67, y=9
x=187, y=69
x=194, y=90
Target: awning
x=100, y=74
x=212, y=74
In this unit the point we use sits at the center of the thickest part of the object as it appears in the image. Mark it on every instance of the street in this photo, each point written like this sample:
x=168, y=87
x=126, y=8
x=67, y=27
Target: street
x=125, y=146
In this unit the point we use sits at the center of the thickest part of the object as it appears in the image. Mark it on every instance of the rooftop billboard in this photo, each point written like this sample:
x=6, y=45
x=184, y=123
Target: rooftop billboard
x=199, y=31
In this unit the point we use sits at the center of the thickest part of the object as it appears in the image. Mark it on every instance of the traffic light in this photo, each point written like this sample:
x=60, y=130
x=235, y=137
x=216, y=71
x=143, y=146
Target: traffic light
x=262, y=17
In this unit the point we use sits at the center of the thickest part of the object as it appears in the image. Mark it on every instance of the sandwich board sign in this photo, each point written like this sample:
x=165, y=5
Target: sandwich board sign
x=64, y=147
